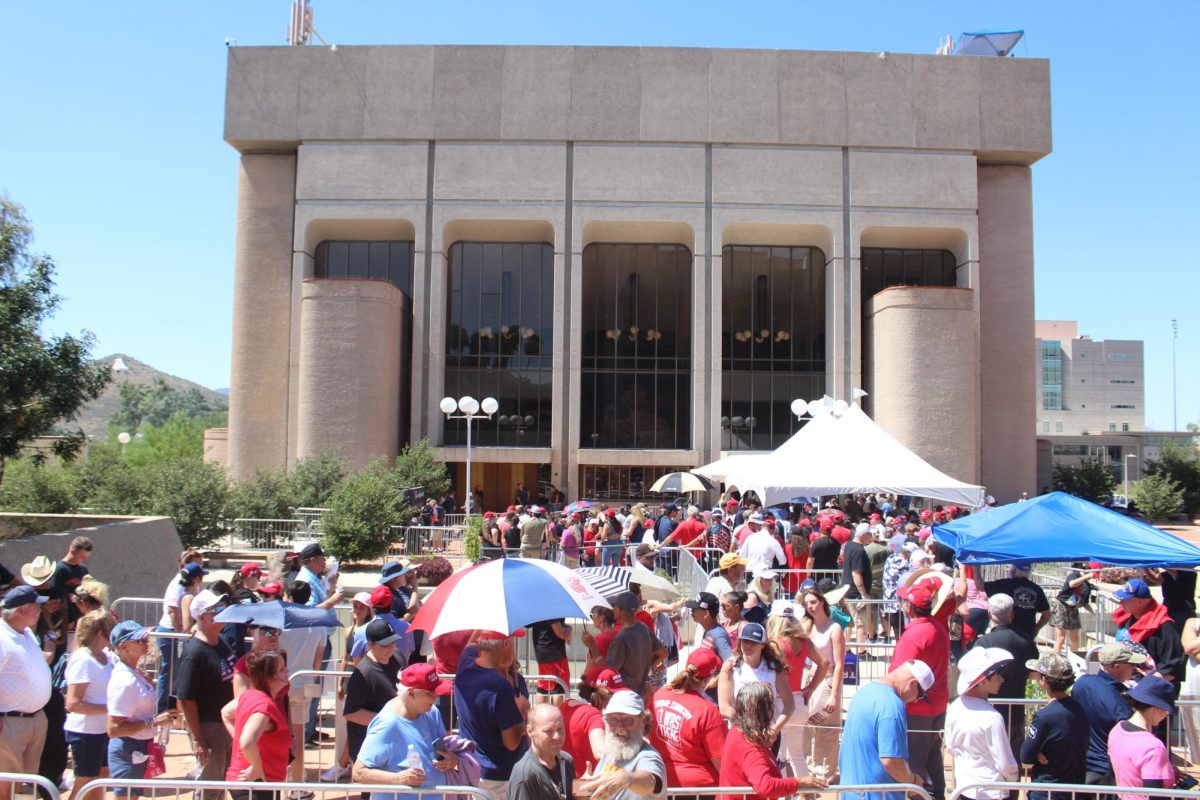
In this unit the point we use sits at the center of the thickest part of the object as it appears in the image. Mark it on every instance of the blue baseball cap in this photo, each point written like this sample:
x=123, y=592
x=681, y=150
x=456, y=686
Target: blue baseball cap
x=127, y=631
x=1155, y=691
x=193, y=570
x=1135, y=588
x=753, y=632
x=23, y=596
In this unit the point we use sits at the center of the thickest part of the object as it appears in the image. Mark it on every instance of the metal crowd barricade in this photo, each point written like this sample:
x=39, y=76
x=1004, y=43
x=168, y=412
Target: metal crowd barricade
x=16, y=779
x=175, y=787
x=264, y=534
x=1071, y=790
x=454, y=520
x=855, y=790
x=145, y=611
x=420, y=540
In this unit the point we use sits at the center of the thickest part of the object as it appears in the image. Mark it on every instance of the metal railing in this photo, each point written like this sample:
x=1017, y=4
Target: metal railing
x=15, y=779
x=266, y=534
x=145, y=611
x=175, y=787
x=1064, y=790
x=852, y=790
x=424, y=540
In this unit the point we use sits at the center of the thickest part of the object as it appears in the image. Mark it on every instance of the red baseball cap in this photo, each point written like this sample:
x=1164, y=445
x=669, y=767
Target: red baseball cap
x=706, y=661
x=604, y=677
x=424, y=676
x=610, y=512
x=920, y=593
x=251, y=568
x=876, y=516
x=274, y=587
x=489, y=514
x=381, y=597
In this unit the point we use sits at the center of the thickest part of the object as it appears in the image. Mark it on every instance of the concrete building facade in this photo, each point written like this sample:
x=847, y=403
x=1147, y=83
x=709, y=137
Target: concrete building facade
x=643, y=253
x=1085, y=386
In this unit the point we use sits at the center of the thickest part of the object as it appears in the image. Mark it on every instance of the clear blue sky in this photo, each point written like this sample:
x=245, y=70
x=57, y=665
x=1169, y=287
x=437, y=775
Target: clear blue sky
x=112, y=121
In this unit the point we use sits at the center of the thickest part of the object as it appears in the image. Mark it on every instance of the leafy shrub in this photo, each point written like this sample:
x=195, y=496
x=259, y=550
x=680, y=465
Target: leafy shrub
x=1158, y=497
x=191, y=492
x=35, y=487
x=264, y=495
x=313, y=480
x=361, y=511
x=433, y=571
x=473, y=538
x=1091, y=479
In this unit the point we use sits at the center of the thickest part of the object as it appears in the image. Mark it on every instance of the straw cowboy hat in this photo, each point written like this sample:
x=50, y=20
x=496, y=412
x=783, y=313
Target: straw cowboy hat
x=38, y=571
x=942, y=590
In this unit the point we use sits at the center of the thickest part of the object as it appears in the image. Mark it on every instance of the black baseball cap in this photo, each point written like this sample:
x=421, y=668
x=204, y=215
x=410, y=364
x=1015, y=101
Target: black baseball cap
x=380, y=632
x=706, y=601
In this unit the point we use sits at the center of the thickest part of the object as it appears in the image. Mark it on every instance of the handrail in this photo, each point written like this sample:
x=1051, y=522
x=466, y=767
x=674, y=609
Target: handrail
x=49, y=789
x=104, y=784
x=1089, y=790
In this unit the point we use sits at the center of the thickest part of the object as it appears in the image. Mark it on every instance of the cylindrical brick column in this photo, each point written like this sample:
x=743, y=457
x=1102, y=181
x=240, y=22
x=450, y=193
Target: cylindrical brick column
x=920, y=347
x=262, y=313
x=351, y=338
x=1007, y=366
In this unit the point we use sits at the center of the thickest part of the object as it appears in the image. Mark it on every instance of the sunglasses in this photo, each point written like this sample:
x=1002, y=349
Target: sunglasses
x=273, y=632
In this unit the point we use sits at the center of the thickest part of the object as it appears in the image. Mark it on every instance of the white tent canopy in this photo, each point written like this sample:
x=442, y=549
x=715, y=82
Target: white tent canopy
x=846, y=453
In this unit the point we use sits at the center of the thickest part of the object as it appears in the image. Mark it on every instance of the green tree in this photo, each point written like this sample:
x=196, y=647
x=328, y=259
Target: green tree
x=193, y=493
x=44, y=380
x=154, y=404
x=1181, y=466
x=264, y=495
x=357, y=526
x=180, y=436
x=35, y=487
x=1157, y=497
x=314, y=479
x=473, y=538
x=417, y=465
x=1091, y=479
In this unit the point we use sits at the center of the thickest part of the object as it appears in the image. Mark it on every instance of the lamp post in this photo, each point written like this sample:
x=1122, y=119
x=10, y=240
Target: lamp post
x=123, y=437
x=1127, y=457
x=469, y=408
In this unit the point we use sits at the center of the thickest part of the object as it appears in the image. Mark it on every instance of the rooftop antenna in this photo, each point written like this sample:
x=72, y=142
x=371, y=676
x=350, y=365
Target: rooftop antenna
x=300, y=26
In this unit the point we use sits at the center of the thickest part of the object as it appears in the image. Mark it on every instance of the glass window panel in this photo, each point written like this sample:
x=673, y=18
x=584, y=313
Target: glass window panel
x=338, y=256
x=357, y=265
x=377, y=261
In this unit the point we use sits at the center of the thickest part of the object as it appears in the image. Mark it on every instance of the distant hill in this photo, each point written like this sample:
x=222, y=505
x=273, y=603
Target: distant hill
x=95, y=415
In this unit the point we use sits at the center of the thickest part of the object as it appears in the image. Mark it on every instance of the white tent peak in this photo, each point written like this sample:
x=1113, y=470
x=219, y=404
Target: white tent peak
x=840, y=453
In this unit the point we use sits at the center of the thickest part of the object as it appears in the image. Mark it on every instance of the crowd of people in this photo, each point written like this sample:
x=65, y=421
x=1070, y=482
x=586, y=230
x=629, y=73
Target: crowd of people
x=757, y=698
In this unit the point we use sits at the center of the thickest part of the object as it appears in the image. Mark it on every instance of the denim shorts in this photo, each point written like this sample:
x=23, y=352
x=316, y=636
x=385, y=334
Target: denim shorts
x=89, y=752
x=121, y=762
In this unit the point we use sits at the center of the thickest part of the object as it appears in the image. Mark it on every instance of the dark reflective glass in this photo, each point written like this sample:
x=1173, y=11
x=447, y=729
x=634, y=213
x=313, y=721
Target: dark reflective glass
x=499, y=336
x=383, y=261
x=772, y=341
x=637, y=347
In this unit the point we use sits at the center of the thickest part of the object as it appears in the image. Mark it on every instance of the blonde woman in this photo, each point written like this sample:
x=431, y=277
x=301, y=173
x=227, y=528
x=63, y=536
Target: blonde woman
x=791, y=635
x=87, y=674
x=821, y=737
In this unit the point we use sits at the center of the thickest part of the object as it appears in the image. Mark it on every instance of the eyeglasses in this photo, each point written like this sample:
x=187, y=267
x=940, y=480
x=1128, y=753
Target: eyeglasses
x=270, y=632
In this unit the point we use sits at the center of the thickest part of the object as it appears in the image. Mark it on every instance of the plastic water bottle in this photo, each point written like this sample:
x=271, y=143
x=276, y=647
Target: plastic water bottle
x=414, y=757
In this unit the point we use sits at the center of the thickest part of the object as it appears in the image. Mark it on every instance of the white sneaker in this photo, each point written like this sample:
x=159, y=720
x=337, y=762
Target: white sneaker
x=335, y=773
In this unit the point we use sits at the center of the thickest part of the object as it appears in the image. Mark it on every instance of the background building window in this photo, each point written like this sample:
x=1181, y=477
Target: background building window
x=637, y=347
x=884, y=267
x=381, y=261
x=624, y=483
x=772, y=341
x=499, y=335
x=1052, y=376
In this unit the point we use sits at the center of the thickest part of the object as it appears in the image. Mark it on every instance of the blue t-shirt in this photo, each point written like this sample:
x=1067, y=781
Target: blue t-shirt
x=1099, y=696
x=876, y=727
x=719, y=638
x=486, y=705
x=386, y=746
x=404, y=646
x=318, y=594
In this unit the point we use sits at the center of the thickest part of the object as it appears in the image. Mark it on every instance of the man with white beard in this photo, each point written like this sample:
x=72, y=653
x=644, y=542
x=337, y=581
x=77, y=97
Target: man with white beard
x=631, y=769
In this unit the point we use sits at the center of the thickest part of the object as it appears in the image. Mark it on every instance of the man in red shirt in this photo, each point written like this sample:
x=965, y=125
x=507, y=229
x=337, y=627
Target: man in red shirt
x=926, y=638
x=692, y=533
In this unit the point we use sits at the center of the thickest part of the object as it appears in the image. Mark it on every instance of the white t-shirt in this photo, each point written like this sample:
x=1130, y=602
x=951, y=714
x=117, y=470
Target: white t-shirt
x=172, y=597
x=82, y=667
x=26, y=683
x=760, y=550
x=301, y=646
x=131, y=696
x=978, y=741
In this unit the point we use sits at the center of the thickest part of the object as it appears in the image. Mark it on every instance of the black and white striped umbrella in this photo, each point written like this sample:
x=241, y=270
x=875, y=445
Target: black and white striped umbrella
x=681, y=483
x=608, y=581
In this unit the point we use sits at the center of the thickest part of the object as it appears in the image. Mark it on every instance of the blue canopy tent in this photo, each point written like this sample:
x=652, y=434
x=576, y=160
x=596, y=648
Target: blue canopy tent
x=1061, y=527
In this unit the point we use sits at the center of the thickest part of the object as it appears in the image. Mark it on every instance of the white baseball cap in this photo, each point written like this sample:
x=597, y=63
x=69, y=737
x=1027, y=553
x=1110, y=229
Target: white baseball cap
x=625, y=702
x=978, y=663
x=924, y=675
x=206, y=601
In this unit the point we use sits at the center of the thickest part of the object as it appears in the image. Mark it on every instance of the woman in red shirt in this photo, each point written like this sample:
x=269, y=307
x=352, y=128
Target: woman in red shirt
x=747, y=760
x=688, y=731
x=261, y=739
x=797, y=561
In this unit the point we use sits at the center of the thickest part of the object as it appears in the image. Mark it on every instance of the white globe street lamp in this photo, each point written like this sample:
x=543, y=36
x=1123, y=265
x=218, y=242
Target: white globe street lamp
x=469, y=409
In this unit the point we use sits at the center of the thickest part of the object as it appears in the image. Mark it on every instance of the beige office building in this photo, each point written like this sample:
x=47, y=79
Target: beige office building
x=644, y=254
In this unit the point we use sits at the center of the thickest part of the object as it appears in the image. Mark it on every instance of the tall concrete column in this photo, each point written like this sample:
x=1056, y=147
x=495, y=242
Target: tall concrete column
x=262, y=309
x=1006, y=353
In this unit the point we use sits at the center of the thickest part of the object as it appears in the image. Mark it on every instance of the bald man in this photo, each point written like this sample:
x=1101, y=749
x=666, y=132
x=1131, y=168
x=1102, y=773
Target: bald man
x=545, y=772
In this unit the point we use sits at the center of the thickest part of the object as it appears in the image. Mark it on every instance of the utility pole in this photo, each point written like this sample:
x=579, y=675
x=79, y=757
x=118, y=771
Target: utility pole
x=1174, y=385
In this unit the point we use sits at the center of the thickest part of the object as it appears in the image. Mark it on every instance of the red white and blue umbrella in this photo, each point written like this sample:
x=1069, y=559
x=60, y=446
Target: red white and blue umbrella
x=578, y=505
x=506, y=595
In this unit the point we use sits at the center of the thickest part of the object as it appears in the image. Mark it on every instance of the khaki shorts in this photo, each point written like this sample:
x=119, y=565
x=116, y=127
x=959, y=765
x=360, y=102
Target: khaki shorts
x=21, y=743
x=860, y=612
